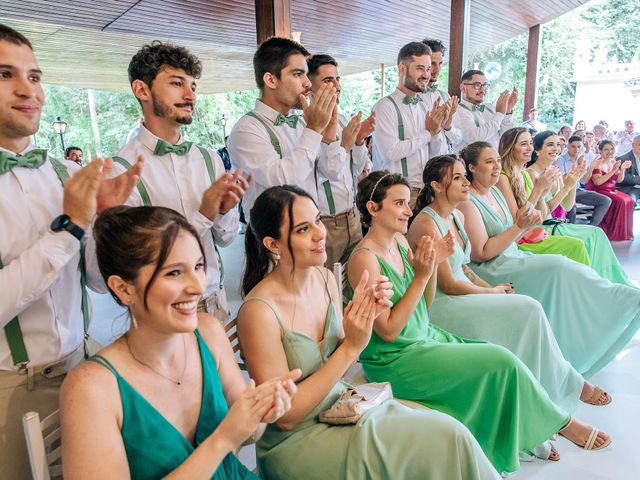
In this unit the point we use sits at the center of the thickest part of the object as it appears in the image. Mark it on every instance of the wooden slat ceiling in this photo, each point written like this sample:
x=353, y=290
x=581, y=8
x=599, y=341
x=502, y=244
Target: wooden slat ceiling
x=89, y=43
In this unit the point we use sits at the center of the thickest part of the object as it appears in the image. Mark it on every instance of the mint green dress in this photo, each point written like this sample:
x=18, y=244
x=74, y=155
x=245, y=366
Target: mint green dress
x=154, y=446
x=598, y=247
x=515, y=321
x=592, y=318
x=391, y=441
x=484, y=386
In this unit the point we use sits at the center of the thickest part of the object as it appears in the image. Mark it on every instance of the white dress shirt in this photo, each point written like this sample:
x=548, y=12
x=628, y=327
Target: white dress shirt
x=448, y=138
x=476, y=126
x=178, y=182
x=250, y=148
x=389, y=150
x=337, y=166
x=40, y=281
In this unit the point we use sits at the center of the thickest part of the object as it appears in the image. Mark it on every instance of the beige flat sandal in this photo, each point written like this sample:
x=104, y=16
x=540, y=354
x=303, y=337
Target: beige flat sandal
x=591, y=440
x=595, y=397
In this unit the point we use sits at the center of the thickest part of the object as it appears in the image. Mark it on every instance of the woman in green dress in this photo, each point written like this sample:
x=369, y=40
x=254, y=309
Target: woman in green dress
x=167, y=399
x=592, y=318
x=468, y=306
x=542, y=185
x=484, y=386
x=290, y=320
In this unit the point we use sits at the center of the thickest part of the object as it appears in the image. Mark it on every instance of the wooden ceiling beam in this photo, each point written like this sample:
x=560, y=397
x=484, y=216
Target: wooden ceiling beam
x=273, y=18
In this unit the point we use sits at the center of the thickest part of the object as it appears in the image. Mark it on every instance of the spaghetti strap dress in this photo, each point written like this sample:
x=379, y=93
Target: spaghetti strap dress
x=390, y=441
x=154, y=446
x=592, y=318
x=484, y=386
x=598, y=247
x=517, y=322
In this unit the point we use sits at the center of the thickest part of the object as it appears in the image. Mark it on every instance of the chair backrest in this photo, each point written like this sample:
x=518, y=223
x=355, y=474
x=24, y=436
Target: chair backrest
x=340, y=274
x=43, y=444
x=231, y=330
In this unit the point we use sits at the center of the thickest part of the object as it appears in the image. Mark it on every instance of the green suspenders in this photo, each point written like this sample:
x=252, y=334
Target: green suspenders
x=272, y=135
x=403, y=161
x=146, y=199
x=12, y=329
x=475, y=115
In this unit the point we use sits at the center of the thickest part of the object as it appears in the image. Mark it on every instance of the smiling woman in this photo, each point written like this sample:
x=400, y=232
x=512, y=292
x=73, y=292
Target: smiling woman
x=173, y=373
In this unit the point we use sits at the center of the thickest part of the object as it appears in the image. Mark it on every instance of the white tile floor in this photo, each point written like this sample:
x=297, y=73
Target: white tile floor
x=621, y=378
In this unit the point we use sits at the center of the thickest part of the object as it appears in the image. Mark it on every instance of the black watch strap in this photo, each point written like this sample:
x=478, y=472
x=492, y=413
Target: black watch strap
x=63, y=222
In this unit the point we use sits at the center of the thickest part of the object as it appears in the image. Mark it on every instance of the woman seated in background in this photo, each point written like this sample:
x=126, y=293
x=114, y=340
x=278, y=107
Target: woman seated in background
x=483, y=385
x=592, y=318
x=519, y=186
x=602, y=177
x=167, y=399
x=468, y=306
x=292, y=318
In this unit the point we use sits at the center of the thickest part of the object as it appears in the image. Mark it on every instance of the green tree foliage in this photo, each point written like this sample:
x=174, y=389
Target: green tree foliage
x=617, y=23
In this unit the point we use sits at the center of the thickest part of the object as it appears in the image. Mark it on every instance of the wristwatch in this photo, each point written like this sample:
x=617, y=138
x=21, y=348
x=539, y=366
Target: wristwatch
x=63, y=222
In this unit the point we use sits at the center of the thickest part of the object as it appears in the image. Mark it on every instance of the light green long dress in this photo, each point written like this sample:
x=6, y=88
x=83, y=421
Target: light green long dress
x=601, y=256
x=592, y=318
x=391, y=441
x=517, y=322
x=484, y=386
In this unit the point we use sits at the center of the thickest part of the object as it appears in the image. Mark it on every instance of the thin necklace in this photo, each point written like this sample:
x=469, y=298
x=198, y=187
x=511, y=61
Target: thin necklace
x=388, y=250
x=184, y=369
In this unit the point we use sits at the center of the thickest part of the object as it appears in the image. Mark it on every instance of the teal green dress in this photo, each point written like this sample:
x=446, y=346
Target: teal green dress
x=484, y=386
x=154, y=446
x=598, y=247
x=515, y=321
x=389, y=442
x=592, y=318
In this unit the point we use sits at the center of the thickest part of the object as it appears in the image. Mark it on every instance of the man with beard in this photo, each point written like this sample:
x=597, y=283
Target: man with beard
x=479, y=121
x=44, y=314
x=406, y=131
x=271, y=141
x=432, y=93
x=182, y=176
x=343, y=157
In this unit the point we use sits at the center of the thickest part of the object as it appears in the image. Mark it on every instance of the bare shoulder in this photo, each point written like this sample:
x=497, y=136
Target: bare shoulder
x=401, y=240
x=459, y=214
x=89, y=383
x=504, y=183
x=210, y=329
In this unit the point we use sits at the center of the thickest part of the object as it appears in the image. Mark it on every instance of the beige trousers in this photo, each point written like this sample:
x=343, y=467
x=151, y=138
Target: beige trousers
x=413, y=197
x=36, y=389
x=343, y=234
x=216, y=304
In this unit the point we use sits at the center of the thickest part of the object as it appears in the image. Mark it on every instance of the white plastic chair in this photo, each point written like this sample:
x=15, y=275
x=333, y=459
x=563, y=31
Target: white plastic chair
x=340, y=274
x=43, y=444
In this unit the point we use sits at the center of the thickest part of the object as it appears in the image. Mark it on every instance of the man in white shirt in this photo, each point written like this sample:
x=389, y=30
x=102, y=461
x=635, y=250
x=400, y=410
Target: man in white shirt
x=343, y=157
x=43, y=307
x=624, y=138
x=631, y=183
x=452, y=135
x=270, y=141
x=599, y=202
x=179, y=175
x=480, y=121
x=73, y=154
x=406, y=130
x=532, y=121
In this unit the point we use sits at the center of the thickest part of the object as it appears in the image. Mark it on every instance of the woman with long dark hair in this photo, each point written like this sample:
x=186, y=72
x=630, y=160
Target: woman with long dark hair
x=516, y=148
x=292, y=318
x=428, y=365
x=592, y=318
x=167, y=399
x=468, y=306
x=604, y=174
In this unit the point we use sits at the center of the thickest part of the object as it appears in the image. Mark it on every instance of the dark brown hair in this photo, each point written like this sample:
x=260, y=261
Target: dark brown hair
x=375, y=181
x=266, y=220
x=153, y=57
x=273, y=56
x=130, y=238
x=437, y=169
x=8, y=34
x=470, y=155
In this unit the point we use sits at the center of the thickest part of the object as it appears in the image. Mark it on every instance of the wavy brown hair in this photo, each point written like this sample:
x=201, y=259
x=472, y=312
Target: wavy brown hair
x=510, y=167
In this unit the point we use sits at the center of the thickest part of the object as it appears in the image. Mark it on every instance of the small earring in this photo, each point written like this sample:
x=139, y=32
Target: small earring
x=276, y=257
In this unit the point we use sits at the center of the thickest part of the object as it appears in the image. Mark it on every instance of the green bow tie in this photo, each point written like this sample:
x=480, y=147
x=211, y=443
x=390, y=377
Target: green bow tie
x=162, y=148
x=32, y=159
x=407, y=100
x=432, y=89
x=478, y=108
x=291, y=120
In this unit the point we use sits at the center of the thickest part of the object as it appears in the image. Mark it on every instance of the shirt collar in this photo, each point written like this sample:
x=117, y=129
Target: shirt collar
x=268, y=112
x=30, y=147
x=149, y=140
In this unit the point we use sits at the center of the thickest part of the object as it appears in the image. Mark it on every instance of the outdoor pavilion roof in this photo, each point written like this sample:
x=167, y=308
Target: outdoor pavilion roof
x=88, y=43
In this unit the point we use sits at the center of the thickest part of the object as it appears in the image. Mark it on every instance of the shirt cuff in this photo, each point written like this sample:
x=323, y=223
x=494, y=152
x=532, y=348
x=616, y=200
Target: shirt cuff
x=61, y=247
x=201, y=223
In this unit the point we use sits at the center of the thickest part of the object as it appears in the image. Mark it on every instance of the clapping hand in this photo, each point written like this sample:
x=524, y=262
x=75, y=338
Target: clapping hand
x=424, y=259
x=452, y=104
x=366, y=128
x=502, y=102
x=115, y=191
x=512, y=99
x=359, y=315
x=625, y=165
x=548, y=178
x=236, y=186
x=444, y=247
x=351, y=132
x=434, y=119
x=527, y=216
x=318, y=112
